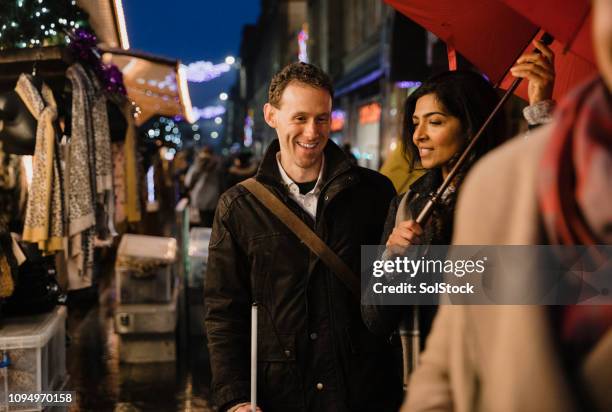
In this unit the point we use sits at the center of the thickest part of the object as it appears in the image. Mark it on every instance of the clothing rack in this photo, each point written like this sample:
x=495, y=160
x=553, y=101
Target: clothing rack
x=50, y=63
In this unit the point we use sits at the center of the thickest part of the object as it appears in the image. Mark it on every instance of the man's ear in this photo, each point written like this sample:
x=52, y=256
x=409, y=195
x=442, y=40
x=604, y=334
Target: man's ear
x=270, y=115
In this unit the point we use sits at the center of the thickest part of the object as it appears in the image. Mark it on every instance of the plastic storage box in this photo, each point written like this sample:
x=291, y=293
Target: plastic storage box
x=199, y=238
x=144, y=269
x=147, y=318
x=147, y=331
x=35, y=349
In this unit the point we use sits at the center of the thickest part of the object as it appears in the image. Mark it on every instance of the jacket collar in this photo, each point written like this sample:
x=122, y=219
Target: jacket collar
x=427, y=183
x=336, y=163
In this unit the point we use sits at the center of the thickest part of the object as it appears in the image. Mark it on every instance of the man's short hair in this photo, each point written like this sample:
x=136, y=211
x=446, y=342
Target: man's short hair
x=300, y=72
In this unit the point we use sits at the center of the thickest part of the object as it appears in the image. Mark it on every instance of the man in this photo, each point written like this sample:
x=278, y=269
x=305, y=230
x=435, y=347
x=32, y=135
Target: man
x=553, y=188
x=314, y=354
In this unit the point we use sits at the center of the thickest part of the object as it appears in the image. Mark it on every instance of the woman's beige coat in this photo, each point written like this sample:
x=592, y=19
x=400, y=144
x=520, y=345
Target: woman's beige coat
x=502, y=358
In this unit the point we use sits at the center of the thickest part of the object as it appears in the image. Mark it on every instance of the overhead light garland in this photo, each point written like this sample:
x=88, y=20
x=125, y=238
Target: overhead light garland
x=209, y=112
x=203, y=71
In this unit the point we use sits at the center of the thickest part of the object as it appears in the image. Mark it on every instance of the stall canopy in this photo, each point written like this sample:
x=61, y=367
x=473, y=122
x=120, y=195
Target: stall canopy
x=108, y=22
x=156, y=84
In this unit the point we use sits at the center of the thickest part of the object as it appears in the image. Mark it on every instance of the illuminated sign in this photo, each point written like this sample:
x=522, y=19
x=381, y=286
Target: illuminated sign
x=303, y=44
x=337, y=120
x=370, y=113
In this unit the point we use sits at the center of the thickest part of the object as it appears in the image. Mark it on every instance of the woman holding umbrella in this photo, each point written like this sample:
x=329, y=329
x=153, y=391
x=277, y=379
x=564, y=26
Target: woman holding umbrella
x=440, y=118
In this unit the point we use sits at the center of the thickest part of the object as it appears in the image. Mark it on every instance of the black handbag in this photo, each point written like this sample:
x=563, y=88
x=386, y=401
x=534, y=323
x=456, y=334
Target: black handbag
x=36, y=289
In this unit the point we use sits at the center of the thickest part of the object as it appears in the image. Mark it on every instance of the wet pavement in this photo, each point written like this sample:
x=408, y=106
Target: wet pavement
x=103, y=383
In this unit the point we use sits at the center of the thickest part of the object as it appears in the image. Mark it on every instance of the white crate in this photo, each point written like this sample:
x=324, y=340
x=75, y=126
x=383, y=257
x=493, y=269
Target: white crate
x=199, y=239
x=147, y=318
x=36, y=349
x=143, y=269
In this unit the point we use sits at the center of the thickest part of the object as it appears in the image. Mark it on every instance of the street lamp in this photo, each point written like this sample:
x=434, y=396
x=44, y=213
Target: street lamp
x=230, y=60
x=223, y=96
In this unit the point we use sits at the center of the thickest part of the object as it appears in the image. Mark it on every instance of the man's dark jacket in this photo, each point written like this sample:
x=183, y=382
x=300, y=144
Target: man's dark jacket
x=314, y=352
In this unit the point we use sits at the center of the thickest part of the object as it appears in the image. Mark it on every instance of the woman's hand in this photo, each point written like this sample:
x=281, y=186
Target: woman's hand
x=539, y=70
x=406, y=233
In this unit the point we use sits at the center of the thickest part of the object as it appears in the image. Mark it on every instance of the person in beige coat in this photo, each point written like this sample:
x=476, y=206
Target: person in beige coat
x=511, y=358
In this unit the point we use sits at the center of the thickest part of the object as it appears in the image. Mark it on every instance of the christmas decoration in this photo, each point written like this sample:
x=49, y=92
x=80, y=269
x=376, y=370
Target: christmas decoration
x=83, y=47
x=203, y=71
x=38, y=23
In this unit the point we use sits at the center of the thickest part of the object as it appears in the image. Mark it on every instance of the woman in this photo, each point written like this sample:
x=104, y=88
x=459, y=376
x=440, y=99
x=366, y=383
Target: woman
x=440, y=118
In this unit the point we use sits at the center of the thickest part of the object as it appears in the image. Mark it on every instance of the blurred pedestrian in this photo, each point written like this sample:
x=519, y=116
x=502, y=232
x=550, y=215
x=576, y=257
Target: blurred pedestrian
x=348, y=151
x=549, y=189
x=242, y=168
x=315, y=353
x=204, y=185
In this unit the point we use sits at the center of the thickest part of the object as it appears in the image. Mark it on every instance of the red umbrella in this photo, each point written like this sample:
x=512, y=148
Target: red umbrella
x=492, y=34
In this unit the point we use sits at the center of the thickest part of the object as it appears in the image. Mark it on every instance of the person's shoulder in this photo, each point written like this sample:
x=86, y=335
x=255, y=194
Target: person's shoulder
x=229, y=199
x=376, y=180
x=515, y=157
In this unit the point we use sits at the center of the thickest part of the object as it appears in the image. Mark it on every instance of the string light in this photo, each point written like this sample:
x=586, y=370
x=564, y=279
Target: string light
x=208, y=112
x=204, y=71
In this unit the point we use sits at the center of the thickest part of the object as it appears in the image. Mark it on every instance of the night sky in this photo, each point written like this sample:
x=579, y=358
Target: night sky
x=191, y=30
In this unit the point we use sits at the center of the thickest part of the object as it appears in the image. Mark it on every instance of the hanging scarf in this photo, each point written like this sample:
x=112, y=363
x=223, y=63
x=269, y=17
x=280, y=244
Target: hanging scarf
x=44, y=212
x=104, y=166
x=131, y=169
x=80, y=181
x=574, y=189
x=79, y=185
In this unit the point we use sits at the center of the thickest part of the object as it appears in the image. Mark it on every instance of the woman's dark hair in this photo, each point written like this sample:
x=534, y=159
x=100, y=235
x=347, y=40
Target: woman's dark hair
x=465, y=95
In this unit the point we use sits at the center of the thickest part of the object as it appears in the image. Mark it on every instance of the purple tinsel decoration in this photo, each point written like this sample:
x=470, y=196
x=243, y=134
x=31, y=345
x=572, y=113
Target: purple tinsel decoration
x=84, y=48
x=113, y=79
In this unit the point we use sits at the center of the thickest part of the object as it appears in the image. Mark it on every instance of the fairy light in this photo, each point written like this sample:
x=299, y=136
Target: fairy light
x=208, y=112
x=204, y=71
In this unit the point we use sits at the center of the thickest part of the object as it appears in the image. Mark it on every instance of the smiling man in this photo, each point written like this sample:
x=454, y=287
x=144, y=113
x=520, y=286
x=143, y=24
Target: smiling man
x=315, y=354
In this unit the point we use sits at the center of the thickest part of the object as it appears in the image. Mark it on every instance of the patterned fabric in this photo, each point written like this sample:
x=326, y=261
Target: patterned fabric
x=574, y=184
x=574, y=194
x=539, y=113
x=78, y=166
x=13, y=192
x=44, y=212
x=7, y=286
x=104, y=166
x=81, y=181
x=9, y=166
x=118, y=154
x=132, y=193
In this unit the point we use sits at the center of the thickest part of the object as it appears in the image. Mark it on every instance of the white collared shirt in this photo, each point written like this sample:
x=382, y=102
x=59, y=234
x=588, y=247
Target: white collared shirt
x=307, y=201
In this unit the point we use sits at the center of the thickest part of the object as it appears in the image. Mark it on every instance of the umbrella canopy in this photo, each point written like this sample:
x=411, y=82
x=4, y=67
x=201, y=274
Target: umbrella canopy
x=492, y=34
